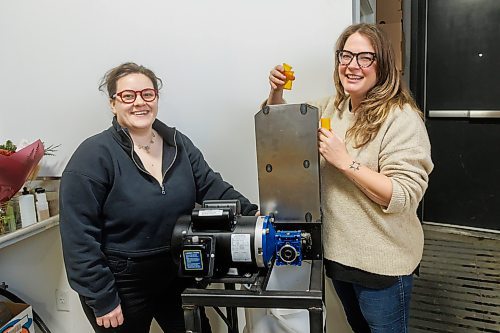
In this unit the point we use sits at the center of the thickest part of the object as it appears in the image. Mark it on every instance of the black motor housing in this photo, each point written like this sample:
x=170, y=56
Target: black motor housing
x=206, y=246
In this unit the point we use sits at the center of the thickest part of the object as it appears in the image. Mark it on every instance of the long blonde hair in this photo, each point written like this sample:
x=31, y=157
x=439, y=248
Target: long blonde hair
x=387, y=93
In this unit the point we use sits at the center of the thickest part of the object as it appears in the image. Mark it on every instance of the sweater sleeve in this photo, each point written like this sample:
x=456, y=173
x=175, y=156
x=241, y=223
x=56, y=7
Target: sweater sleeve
x=81, y=200
x=322, y=104
x=210, y=185
x=405, y=158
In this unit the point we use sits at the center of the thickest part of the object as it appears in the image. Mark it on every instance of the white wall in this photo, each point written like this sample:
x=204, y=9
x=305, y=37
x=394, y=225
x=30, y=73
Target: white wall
x=214, y=57
x=33, y=269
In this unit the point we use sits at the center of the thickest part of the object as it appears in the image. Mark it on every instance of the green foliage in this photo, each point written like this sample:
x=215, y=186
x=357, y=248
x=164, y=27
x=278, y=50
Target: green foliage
x=50, y=150
x=9, y=146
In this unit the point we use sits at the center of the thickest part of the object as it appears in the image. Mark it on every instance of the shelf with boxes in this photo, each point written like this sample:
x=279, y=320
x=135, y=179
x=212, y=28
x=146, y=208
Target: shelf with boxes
x=389, y=17
x=26, y=232
x=33, y=210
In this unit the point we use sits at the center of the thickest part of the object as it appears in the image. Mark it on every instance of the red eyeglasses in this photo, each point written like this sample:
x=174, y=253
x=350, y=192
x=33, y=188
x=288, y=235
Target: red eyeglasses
x=129, y=96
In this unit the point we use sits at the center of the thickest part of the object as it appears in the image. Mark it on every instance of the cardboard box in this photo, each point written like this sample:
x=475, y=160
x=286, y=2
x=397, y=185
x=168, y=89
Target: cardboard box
x=394, y=32
x=22, y=322
x=389, y=11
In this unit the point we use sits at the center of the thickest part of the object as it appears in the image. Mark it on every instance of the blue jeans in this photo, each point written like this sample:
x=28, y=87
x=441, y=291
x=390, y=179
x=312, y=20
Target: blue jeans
x=376, y=310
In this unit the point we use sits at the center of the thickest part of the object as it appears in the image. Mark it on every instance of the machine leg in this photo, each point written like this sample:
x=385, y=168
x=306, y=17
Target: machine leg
x=232, y=312
x=232, y=317
x=316, y=320
x=192, y=318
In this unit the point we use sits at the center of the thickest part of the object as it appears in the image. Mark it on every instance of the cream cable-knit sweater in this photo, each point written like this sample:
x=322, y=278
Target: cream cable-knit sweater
x=359, y=233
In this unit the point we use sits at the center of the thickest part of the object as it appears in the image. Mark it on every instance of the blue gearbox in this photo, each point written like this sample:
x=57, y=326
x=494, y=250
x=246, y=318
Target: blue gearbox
x=288, y=248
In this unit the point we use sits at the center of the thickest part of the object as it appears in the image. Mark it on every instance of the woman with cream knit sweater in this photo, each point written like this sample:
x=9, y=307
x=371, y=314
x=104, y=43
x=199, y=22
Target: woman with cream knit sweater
x=375, y=166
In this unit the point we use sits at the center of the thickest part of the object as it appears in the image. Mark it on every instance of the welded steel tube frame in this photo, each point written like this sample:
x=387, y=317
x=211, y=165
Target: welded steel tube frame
x=311, y=300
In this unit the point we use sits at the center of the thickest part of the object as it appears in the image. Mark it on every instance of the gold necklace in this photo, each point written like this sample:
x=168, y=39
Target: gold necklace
x=147, y=148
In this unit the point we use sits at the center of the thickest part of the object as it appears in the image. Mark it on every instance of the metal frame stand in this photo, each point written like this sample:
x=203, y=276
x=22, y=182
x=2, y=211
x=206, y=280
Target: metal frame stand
x=256, y=297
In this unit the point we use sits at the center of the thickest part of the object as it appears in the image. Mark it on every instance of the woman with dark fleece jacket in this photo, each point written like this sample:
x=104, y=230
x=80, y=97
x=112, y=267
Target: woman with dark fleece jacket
x=121, y=194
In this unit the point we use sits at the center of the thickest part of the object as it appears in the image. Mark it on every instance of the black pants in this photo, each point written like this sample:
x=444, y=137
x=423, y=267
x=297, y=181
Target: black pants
x=148, y=288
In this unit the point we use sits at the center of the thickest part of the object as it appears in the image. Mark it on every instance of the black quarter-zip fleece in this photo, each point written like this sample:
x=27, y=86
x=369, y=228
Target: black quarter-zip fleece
x=109, y=204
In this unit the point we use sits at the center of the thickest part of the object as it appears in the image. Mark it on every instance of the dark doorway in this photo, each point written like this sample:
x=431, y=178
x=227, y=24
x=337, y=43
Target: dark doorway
x=455, y=71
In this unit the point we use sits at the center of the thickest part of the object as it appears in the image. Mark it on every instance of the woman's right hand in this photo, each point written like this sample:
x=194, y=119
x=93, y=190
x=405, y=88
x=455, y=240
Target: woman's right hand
x=112, y=319
x=277, y=80
x=277, y=77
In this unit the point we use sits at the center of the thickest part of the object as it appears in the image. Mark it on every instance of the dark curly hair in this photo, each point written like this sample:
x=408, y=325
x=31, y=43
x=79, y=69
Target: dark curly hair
x=109, y=79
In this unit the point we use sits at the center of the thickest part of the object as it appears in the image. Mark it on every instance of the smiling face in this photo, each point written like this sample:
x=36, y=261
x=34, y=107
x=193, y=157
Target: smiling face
x=355, y=80
x=138, y=116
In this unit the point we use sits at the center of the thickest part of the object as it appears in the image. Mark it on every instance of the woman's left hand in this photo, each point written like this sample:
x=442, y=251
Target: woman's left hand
x=374, y=185
x=333, y=149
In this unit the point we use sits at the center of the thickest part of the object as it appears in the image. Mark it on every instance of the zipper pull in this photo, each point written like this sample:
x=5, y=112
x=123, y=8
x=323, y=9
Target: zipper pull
x=163, y=189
